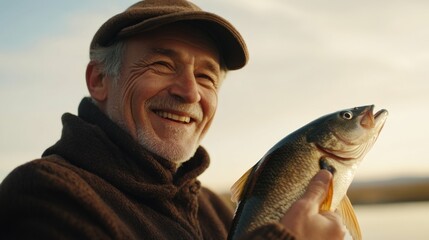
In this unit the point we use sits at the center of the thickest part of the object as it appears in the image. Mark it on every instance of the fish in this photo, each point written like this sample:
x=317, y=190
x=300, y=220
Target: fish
x=337, y=142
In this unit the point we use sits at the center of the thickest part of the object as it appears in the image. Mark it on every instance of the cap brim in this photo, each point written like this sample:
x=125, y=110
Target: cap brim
x=229, y=41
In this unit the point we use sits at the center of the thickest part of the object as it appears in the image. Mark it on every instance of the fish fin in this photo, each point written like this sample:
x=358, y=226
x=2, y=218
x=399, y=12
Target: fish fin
x=237, y=189
x=348, y=215
x=326, y=204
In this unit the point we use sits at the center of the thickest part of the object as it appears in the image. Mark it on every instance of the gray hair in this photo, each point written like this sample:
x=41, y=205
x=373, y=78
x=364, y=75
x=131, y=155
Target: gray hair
x=109, y=59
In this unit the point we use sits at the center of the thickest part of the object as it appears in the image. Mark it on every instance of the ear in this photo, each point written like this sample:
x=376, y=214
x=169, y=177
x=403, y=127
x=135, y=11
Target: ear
x=96, y=82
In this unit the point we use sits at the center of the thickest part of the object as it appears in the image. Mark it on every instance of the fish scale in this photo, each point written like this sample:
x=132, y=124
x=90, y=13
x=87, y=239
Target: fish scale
x=275, y=188
x=337, y=141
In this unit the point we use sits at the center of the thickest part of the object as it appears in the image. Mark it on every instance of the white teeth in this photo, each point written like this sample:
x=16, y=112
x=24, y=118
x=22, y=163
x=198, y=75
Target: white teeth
x=174, y=117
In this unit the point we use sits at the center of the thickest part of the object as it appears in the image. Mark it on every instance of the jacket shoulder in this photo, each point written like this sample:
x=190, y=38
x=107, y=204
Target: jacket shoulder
x=49, y=197
x=52, y=170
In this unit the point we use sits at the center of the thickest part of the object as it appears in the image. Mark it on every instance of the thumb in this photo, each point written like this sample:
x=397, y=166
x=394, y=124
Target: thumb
x=318, y=187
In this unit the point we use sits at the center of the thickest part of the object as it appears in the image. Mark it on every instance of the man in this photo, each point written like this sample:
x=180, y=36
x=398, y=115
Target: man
x=126, y=166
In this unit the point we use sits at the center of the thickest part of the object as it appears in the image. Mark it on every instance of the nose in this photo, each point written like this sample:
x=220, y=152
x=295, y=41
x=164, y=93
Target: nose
x=185, y=88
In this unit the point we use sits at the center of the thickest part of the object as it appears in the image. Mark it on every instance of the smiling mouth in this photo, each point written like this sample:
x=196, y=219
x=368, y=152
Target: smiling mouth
x=173, y=117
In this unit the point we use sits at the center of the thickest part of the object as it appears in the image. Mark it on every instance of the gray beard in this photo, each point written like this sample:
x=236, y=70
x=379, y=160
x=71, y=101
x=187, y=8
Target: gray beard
x=172, y=152
x=175, y=153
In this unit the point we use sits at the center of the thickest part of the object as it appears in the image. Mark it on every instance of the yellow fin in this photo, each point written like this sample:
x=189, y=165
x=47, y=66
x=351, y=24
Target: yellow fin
x=326, y=204
x=349, y=218
x=237, y=189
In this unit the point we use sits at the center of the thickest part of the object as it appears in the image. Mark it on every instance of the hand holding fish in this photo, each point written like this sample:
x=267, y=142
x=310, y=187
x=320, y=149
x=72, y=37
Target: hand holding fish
x=303, y=220
x=281, y=188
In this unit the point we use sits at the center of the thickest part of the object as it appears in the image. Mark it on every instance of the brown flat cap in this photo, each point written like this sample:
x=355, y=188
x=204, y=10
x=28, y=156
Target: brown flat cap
x=150, y=14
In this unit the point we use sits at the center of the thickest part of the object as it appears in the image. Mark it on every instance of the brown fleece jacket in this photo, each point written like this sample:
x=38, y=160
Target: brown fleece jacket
x=96, y=182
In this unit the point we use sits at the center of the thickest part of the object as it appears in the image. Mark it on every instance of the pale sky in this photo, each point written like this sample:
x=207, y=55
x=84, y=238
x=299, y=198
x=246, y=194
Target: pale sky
x=308, y=58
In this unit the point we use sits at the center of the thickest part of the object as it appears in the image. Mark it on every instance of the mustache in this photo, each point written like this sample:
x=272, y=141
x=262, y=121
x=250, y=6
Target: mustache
x=194, y=110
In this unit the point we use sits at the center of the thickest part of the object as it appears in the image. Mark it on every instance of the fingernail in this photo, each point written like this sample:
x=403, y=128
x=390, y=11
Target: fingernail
x=331, y=169
x=323, y=163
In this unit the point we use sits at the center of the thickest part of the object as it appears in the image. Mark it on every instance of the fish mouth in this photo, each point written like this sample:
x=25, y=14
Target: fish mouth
x=371, y=120
x=380, y=117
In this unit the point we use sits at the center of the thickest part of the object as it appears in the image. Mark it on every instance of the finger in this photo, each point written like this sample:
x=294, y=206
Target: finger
x=337, y=226
x=333, y=217
x=318, y=187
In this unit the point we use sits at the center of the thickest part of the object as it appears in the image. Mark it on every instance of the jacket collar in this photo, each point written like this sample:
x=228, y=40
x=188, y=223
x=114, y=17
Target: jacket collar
x=93, y=142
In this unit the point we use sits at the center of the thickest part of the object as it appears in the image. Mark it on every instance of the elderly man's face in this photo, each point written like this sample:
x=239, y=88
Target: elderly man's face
x=166, y=97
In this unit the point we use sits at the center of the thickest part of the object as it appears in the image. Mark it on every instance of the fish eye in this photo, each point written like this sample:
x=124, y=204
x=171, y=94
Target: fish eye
x=347, y=115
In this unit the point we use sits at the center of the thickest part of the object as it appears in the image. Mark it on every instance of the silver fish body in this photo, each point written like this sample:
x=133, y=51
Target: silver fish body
x=339, y=140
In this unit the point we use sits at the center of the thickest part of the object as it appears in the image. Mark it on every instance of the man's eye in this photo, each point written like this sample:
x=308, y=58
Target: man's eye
x=207, y=79
x=204, y=76
x=163, y=64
